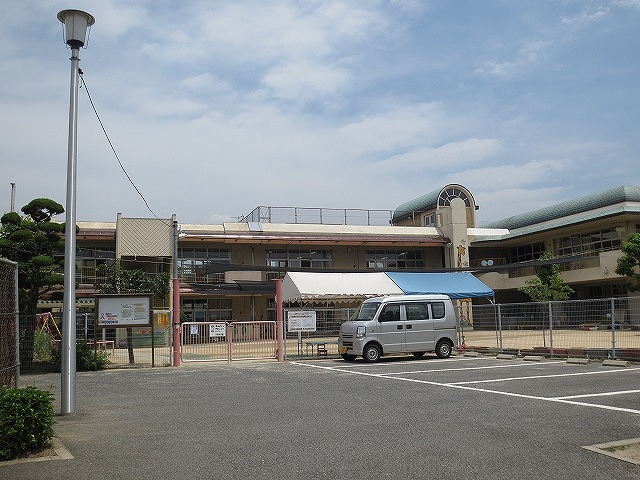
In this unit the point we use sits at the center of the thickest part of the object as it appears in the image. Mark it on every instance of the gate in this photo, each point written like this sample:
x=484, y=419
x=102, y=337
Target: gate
x=211, y=341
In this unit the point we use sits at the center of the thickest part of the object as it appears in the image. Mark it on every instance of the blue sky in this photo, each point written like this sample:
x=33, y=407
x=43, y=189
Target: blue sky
x=216, y=107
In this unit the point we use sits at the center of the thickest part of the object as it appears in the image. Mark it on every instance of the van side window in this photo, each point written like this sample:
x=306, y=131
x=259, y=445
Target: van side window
x=390, y=313
x=437, y=308
x=416, y=311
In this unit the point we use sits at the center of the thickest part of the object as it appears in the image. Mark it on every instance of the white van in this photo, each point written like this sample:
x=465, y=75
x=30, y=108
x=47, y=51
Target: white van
x=399, y=324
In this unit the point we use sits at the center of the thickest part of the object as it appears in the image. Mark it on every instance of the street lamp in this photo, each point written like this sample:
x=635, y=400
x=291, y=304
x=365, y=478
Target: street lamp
x=75, y=23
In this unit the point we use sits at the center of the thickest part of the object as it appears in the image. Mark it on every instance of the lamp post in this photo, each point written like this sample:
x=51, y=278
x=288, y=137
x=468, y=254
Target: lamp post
x=75, y=23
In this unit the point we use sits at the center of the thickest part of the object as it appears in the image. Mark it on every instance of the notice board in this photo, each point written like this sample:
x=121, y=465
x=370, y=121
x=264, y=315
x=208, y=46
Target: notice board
x=135, y=310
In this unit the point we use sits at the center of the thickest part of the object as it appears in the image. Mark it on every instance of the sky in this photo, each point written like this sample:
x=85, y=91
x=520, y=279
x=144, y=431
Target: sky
x=217, y=107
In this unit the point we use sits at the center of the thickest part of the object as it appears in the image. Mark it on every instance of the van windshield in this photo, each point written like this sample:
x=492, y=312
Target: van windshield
x=366, y=311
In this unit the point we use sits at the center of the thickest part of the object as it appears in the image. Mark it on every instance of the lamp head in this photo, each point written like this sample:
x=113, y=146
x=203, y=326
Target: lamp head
x=75, y=23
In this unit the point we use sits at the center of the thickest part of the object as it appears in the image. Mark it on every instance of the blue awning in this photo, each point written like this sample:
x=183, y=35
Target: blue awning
x=453, y=284
x=311, y=286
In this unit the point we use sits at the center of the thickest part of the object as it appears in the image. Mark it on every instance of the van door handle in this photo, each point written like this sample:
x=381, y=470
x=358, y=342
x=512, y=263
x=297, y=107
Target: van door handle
x=399, y=327
x=408, y=327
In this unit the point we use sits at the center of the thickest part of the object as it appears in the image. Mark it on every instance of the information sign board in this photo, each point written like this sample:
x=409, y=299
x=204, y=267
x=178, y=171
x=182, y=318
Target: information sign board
x=301, y=321
x=124, y=310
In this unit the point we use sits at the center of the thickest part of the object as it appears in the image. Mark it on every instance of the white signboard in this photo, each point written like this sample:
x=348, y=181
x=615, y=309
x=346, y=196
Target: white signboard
x=301, y=321
x=217, y=329
x=124, y=310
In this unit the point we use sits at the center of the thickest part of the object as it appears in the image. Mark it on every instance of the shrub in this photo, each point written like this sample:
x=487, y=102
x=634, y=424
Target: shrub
x=43, y=346
x=26, y=421
x=86, y=358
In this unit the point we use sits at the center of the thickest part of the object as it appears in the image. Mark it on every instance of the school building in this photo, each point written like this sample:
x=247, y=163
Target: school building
x=226, y=271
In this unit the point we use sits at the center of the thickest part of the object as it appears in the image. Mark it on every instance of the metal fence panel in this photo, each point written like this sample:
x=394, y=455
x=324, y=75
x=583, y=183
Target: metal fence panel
x=9, y=341
x=597, y=328
x=321, y=342
x=211, y=341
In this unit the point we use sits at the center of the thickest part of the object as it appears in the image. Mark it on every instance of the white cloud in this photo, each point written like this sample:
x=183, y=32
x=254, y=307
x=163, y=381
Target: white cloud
x=585, y=17
x=516, y=175
x=530, y=54
x=444, y=157
x=305, y=81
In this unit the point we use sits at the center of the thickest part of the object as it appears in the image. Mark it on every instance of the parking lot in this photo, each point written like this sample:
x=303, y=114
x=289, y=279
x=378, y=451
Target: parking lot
x=613, y=388
x=474, y=417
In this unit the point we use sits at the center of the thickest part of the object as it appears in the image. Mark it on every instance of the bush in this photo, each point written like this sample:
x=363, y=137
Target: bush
x=26, y=421
x=86, y=358
x=43, y=346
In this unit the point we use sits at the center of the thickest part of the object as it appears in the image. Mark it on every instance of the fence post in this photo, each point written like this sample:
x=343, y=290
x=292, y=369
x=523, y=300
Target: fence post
x=500, y=328
x=17, y=332
x=279, y=321
x=550, y=329
x=230, y=329
x=613, y=328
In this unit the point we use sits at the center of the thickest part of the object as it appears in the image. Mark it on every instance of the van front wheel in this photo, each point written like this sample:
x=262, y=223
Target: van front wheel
x=371, y=353
x=443, y=349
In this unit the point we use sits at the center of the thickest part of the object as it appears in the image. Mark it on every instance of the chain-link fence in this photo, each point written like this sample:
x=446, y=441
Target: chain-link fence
x=321, y=341
x=120, y=347
x=9, y=359
x=598, y=328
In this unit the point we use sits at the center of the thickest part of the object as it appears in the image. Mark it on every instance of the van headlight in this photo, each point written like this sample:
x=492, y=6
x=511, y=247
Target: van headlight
x=361, y=331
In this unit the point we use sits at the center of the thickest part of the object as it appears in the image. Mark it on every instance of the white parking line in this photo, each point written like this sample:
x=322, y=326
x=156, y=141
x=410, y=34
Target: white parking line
x=413, y=362
x=574, y=374
x=490, y=367
x=603, y=394
x=475, y=389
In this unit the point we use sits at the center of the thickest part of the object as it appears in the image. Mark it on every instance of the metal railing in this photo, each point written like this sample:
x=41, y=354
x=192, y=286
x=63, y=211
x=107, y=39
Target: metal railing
x=321, y=216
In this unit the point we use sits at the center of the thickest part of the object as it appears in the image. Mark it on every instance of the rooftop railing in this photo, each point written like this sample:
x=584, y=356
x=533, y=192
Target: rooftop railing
x=321, y=216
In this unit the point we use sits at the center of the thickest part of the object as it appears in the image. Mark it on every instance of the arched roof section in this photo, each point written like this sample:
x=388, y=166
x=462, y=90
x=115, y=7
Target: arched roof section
x=604, y=199
x=430, y=201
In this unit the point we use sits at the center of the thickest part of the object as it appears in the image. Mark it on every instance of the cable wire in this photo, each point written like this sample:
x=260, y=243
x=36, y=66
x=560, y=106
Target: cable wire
x=112, y=147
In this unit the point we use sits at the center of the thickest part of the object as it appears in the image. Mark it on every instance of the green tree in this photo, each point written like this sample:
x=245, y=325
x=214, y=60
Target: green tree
x=629, y=262
x=36, y=243
x=547, y=285
x=119, y=280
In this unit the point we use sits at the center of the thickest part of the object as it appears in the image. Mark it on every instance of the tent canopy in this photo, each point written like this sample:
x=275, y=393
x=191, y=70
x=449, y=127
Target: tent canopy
x=453, y=284
x=345, y=286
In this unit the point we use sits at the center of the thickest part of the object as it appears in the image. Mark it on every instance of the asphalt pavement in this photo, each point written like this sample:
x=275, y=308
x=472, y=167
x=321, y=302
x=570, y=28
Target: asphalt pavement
x=330, y=419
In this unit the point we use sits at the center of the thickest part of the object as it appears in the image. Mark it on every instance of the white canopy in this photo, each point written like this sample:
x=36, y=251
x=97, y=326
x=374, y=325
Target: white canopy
x=336, y=286
x=308, y=286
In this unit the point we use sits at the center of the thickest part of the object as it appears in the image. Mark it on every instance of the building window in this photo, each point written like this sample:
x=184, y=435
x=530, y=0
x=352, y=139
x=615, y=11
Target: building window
x=587, y=243
x=206, y=310
x=526, y=253
x=429, y=220
x=394, y=259
x=192, y=262
x=299, y=258
x=444, y=200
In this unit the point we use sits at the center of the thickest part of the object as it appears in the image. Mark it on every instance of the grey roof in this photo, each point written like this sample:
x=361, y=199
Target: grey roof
x=601, y=200
x=425, y=202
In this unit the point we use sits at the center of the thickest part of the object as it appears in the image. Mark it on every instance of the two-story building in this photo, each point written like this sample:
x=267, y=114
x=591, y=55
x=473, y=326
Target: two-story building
x=226, y=271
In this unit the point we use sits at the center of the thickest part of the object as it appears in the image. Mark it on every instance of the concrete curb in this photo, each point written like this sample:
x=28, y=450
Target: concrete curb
x=615, y=363
x=471, y=354
x=579, y=361
x=533, y=358
x=505, y=356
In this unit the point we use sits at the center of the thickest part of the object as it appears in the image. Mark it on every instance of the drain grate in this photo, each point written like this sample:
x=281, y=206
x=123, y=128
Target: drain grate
x=627, y=450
